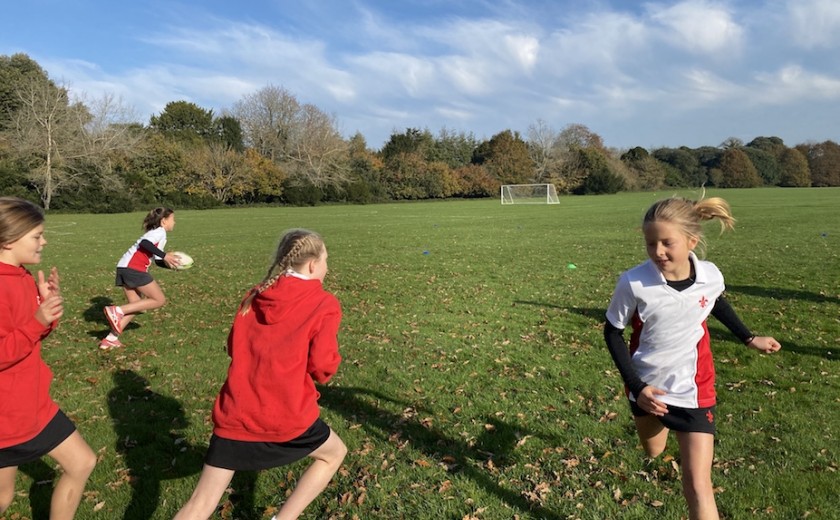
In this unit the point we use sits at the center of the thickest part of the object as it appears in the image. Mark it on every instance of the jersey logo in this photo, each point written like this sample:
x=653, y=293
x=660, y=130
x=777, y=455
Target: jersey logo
x=710, y=416
x=703, y=302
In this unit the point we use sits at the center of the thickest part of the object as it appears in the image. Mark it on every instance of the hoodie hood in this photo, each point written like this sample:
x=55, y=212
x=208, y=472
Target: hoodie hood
x=286, y=296
x=11, y=270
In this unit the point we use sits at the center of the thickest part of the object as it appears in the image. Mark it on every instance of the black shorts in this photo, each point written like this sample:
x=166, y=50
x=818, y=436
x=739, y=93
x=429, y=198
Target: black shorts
x=54, y=433
x=132, y=278
x=689, y=420
x=254, y=456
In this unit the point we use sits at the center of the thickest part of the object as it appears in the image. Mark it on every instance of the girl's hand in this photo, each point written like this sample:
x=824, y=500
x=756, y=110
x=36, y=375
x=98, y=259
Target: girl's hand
x=49, y=287
x=648, y=402
x=50, y=310
x=171, y=261
x=765, y=344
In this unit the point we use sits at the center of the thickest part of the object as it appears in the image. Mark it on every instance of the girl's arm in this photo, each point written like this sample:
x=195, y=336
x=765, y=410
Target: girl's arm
x=724, y=312
x=621, y=357
x=323, y=350
x=167, y=260
x=18, y=340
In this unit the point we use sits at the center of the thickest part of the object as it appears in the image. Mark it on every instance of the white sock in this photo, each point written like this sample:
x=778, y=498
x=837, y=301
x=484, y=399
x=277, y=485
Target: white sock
x=112, y=337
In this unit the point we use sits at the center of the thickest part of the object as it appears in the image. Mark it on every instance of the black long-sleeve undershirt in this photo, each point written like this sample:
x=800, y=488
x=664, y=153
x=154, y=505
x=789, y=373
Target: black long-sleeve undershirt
x=614, y=337
x=149, y=247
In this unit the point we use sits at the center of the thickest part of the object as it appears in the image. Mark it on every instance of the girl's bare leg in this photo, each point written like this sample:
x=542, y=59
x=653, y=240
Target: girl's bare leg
x=327, y=459
x=146, y=298
x=209, y=490
x=652, y=433
x=697, y=452
x=77, y=461
x=7, y=487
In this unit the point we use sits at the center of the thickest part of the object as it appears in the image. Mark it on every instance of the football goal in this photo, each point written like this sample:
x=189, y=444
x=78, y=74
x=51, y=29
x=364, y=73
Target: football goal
x=529, y=194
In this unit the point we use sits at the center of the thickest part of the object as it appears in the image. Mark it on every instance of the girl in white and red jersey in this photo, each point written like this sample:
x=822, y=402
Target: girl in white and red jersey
x=31, y=424
x=282, y=341
x=141, y=290
x=668, y=369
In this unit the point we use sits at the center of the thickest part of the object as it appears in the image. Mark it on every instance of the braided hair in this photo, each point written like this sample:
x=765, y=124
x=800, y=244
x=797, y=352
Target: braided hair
x=297, y=247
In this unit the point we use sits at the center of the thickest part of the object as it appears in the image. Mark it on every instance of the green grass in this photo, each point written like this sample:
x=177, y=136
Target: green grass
x=475, y=382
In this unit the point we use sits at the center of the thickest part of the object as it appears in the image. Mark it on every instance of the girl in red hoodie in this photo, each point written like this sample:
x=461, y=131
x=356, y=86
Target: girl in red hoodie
x=31, y=425
x=283, y=339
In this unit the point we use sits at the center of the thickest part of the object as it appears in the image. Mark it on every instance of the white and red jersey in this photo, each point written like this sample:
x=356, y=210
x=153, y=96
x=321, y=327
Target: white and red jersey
x=139, y=260
x=669, y=346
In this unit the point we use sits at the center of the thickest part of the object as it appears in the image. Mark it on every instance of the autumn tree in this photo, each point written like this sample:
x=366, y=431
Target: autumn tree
x=573, y=166
x=156, y=169
x=736, y=171
x=682, y=167
x=505, y=156
x=411, y=141
x=823, y=162
x=648, y=170
x=475, y=182
x=301, y=138
x=223, y=173
x=577, y=135
x=228, y=131
x=184, y=121
x=766, y=165
x=16, y=71
x=453, y=148
x=597, y=174
x=794, y=169
x=775, y=146
x=545, y=150
x=47, y=133
x=366, y=167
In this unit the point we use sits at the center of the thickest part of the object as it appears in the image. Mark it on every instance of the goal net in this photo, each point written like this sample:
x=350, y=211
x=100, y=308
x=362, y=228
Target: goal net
x=529, y=194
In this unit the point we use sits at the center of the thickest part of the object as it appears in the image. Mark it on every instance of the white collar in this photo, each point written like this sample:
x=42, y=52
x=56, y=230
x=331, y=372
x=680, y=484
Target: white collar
x=292, y=272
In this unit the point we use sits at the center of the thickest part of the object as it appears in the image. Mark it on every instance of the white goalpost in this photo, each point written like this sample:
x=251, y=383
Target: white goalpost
x=529, y=194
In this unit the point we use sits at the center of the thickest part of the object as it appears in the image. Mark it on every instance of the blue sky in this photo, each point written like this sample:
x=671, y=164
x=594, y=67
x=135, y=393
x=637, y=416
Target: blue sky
x=650, y=74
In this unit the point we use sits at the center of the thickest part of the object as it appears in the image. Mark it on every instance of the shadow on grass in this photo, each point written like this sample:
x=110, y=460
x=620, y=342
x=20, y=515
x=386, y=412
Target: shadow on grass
x=40, y=492
x=781, y=294
x=148, y=428
x=95, y=314
x=722, y=334
x=495, y=445
x=597, y=315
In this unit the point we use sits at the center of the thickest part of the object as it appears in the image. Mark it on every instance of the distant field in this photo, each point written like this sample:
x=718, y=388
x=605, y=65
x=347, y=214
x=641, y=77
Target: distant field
x=475, y=382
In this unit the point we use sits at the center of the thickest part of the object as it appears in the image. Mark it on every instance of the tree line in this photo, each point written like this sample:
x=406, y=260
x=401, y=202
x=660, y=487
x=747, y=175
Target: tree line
x=93, y=155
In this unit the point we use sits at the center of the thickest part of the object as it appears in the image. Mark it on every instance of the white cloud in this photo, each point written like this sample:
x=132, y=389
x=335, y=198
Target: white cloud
x=705, y=86
x=698, y=26
x=602, y=42
x=792, y=84
x=815, y=23
x=525, y=49
x=380, y=67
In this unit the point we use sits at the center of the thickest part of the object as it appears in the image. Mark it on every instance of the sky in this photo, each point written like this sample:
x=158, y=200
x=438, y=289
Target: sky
x=651, y=74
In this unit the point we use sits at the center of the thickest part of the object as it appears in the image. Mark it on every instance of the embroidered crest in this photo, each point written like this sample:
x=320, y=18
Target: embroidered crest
x=703, y=302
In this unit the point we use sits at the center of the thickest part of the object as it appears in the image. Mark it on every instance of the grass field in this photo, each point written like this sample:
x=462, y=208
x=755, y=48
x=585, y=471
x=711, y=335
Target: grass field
x=475, y=382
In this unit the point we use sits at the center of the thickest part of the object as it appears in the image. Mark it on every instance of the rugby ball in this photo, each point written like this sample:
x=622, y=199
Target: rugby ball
x=186, y=260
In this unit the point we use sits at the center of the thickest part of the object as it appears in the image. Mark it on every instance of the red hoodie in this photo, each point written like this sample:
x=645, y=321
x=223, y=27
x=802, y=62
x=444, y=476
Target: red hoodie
x=285, y=341
x=25, y=403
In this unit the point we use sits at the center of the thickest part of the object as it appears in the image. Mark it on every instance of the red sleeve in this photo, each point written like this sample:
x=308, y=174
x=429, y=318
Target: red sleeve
x=323, y=348
x=17, y=340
